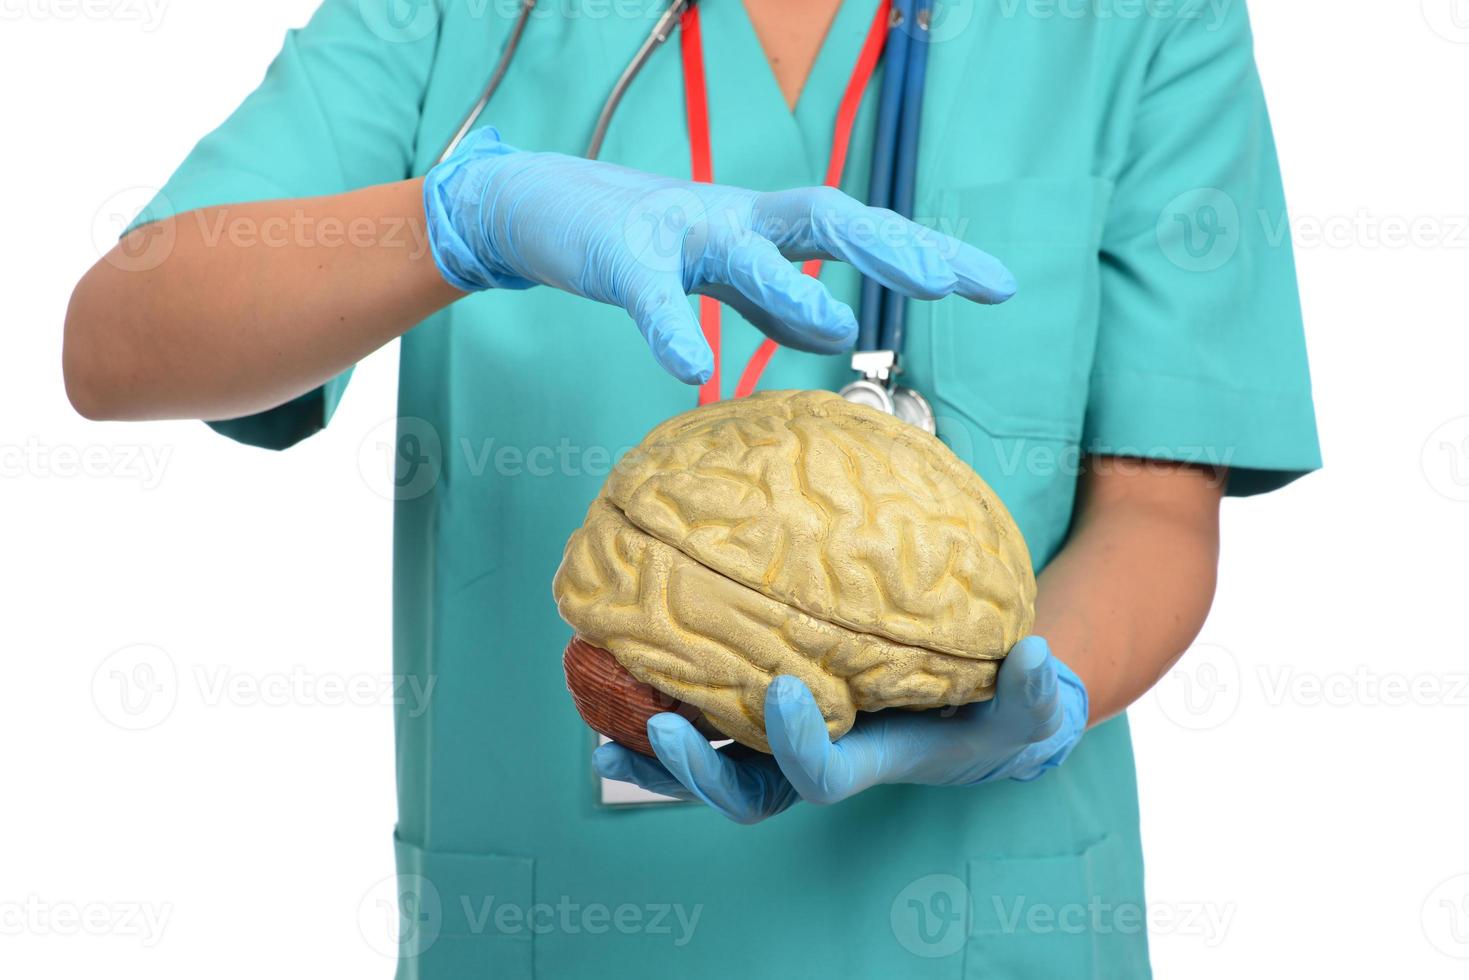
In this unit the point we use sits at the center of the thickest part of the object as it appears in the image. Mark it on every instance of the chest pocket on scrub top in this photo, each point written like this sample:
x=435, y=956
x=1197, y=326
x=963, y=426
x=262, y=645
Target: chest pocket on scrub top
x=1021, y=369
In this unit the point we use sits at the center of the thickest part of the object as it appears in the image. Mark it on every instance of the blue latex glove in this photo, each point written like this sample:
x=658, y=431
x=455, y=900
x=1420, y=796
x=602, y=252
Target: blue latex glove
x=1035, y=719
x=504, y=218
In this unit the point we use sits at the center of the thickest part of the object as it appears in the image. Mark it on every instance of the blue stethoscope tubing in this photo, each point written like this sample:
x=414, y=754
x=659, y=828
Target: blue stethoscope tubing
x=882, y=315
x=895, y=305
x=885, y=142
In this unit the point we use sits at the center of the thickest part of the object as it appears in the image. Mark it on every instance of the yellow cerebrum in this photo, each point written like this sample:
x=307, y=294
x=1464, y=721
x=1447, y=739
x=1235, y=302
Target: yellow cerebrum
x=798, y=533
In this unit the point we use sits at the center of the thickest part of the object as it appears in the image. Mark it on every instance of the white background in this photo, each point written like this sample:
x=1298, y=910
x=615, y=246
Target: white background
x=1303, y=785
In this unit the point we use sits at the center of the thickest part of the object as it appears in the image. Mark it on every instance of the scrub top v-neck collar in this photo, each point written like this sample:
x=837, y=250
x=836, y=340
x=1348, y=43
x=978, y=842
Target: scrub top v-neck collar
x=745, y=101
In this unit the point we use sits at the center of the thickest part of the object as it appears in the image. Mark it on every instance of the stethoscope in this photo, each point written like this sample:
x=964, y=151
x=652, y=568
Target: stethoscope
x=883, y=313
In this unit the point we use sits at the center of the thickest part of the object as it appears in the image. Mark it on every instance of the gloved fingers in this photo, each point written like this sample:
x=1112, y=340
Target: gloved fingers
x=672, y=331
x=978, y=275
x=1027, y=694
x=793, y=309
x=901, y=254
x=745, y=791
x=613, y=761
x=821, y=771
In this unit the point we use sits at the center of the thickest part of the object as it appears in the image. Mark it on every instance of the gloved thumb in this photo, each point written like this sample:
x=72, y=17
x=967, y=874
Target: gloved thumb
x=821, y=772
x=1027, y=695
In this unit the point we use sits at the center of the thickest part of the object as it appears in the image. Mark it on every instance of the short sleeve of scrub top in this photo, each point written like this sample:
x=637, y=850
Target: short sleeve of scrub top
x=338, y=109
x=1200, y=351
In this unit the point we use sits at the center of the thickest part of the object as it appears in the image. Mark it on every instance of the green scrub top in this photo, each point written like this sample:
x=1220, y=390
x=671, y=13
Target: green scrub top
x=1117, y=157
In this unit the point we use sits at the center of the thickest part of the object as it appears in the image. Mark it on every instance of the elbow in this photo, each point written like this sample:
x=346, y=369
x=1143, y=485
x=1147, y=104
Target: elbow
x=95, y=391
x=87, y=400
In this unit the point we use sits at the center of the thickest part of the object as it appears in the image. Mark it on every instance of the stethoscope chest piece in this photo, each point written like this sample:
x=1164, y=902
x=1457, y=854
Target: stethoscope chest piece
x=875, y=389
x=914, y=409
x=905, y=403
x=870, y=393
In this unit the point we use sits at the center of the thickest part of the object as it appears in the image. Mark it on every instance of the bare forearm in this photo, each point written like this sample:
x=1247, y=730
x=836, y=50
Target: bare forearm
x=1131, y=588
x=226, y=311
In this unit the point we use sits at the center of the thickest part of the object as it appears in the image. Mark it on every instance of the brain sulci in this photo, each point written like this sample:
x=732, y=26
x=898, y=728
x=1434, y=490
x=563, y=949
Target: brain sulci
x=788, y=533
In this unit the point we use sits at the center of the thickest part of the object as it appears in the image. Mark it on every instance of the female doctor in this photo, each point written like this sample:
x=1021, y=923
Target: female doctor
x=1118, y=161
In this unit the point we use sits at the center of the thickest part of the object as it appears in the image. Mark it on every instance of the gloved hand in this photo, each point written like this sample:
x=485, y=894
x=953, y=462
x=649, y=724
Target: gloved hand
x=1035, y=719
x=503, y=218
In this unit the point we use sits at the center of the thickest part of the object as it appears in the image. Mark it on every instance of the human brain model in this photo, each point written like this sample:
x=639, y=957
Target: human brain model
x=788, y=533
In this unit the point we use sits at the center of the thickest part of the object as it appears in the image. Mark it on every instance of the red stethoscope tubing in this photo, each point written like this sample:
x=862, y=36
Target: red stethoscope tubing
x=696, y=99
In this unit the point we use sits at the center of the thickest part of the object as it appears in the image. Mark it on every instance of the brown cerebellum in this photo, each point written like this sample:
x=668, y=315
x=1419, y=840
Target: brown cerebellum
x=792, y=533
x=612, y=701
